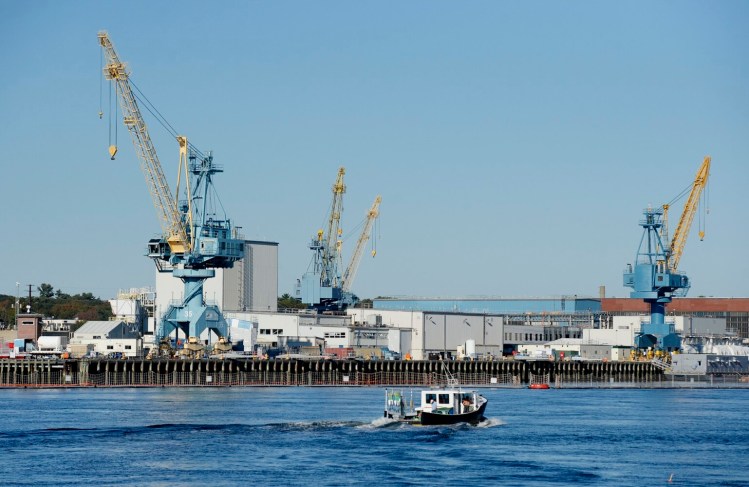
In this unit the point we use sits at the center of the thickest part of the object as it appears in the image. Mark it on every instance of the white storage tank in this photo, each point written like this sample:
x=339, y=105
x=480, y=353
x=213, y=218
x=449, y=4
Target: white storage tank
x=471, y=348
x=52, y=343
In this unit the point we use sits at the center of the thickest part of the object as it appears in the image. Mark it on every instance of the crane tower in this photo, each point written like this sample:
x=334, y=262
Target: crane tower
x=195, y=239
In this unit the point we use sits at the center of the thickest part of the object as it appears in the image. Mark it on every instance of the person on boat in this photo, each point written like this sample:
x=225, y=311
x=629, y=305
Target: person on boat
x=467, y=408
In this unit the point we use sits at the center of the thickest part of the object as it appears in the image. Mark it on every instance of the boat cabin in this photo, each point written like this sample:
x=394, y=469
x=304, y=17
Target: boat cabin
x=448, y=401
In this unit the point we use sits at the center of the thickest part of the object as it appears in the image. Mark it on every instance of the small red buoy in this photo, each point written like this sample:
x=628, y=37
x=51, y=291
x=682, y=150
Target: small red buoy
x=538, y=386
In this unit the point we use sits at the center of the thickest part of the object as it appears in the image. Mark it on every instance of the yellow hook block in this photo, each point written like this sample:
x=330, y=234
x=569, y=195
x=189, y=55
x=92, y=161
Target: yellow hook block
x=112, y=151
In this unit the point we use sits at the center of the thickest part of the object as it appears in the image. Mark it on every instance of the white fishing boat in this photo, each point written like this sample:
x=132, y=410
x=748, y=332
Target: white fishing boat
x=444, y=405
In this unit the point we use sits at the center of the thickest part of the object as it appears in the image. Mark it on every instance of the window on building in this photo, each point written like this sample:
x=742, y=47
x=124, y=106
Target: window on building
x=128, y=347
x=110, y=347
x=97, y=337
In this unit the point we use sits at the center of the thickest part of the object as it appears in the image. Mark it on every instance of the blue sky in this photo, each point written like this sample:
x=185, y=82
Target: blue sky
x=514, y=144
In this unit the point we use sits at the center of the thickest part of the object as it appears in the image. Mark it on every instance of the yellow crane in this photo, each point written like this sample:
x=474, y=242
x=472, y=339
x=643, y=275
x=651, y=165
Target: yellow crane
x=166, y=205
x=350, y=274
x=679, y=239
x=332, y=246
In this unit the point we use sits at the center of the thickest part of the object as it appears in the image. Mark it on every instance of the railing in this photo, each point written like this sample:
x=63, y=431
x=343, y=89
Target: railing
x=661, y=364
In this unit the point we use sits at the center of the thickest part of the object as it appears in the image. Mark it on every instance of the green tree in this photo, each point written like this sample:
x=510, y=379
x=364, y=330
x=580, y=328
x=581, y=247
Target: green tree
x=286, y=301
x=46, y=290
x=51, y=302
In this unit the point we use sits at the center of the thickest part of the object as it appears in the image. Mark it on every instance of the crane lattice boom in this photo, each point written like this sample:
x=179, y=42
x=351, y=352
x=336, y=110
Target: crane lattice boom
x=350, y=274
x=165, y=204
x=687, y=216
x=332, y=249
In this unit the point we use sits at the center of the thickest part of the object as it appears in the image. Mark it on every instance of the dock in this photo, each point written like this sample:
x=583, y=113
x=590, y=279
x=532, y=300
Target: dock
x=49, y=373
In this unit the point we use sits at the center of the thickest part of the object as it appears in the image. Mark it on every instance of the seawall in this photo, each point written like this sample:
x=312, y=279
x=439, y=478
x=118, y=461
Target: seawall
x=300, y=372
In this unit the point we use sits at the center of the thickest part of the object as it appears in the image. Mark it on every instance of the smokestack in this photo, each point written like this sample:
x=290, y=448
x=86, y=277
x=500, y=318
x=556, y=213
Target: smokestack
x=602, y=292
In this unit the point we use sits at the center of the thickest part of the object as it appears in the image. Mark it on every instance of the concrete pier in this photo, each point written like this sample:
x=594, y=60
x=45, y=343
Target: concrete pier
x=298, y=372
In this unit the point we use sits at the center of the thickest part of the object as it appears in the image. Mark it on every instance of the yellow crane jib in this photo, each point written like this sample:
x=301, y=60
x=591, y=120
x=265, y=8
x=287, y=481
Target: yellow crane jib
x=167, y=210
x=687, y=216
x=332, y=247
x=353, y=267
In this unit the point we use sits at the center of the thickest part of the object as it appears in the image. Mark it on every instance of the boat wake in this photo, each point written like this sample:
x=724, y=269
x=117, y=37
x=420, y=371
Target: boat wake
x=490, y=423
x=381, y=423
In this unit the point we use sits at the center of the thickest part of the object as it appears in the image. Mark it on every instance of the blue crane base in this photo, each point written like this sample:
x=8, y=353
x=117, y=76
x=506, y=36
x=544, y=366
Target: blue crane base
x=658, y=337
x=193, y=316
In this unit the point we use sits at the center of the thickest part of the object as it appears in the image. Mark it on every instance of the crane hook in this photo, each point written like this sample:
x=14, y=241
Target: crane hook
x=112, y=151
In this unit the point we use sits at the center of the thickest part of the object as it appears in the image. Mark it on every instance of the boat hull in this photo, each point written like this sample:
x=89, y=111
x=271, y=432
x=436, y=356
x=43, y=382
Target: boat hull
x=428, y=418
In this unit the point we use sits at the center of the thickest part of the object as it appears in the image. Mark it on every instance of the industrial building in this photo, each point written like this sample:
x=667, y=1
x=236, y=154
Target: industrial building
x=735, y=311
x=278, y=330
x=492, y=304
x=107, y=338
x=561, y=311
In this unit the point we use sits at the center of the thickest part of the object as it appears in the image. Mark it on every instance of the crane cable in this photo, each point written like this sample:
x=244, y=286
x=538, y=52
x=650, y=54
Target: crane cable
x=101, y=80
x=159, y=117
x=151, y=108
x=705, y=209
x=174, y=133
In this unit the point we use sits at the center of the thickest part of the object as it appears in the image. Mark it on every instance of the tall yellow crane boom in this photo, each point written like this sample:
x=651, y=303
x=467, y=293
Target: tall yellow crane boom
x=332, y=249
x=350, y=274
x=687, y=216
x=165, y=204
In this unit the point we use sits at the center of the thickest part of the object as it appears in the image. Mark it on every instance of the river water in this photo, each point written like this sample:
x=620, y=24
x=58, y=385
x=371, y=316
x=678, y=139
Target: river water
x=336, y=436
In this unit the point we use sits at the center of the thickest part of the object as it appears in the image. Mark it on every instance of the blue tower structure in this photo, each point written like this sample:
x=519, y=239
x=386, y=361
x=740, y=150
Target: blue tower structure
x=320, y=287
x=654, y=281
x=213, y=243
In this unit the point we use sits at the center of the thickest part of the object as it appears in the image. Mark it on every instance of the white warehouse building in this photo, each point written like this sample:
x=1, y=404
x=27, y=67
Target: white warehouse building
x=107, y=337
x=439, y=332
x=623, y=329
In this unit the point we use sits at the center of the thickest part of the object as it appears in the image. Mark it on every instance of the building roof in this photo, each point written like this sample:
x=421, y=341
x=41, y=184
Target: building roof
x=567, y=341
x=679, y=305
x=98, y=327
x=488, y=304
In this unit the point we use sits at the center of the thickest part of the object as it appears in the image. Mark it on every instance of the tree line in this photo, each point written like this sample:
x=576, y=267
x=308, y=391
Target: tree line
x=52, y=302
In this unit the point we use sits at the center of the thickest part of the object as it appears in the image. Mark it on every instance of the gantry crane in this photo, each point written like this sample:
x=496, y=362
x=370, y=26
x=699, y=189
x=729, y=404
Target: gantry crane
x=323, y=288
x=195, y=240
x=655, y=277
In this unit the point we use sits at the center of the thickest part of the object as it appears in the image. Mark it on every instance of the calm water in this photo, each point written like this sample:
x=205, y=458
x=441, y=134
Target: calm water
x=335, y=436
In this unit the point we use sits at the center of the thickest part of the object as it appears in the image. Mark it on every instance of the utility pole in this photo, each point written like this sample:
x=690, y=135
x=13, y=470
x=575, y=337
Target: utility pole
x=18, y=303
x=28, y=305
